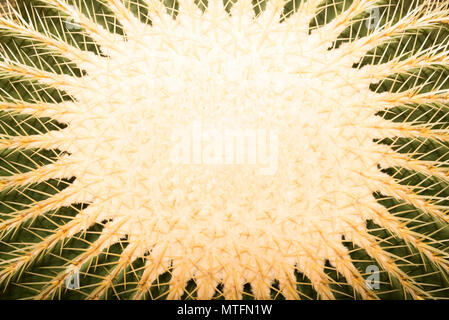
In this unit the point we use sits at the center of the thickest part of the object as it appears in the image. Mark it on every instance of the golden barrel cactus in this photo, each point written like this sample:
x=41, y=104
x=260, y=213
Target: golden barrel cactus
x=224, y=149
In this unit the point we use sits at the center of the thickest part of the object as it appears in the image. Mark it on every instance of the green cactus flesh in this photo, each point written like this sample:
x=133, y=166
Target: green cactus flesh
x=342, y=190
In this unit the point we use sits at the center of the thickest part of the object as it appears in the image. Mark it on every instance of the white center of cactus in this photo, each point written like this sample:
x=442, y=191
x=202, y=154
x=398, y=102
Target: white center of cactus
x=132, y=104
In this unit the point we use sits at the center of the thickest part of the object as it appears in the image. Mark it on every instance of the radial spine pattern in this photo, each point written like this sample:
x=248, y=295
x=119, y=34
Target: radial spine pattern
x=229, y=149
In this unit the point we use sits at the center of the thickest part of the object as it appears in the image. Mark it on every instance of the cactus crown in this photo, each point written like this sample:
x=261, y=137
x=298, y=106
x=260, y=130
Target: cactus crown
x=121, y=130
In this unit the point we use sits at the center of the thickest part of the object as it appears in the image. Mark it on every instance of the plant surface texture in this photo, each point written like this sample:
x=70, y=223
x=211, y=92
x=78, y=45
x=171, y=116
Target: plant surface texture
x=224, y=149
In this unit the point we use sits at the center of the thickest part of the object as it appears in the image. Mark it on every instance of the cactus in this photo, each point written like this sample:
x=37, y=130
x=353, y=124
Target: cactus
x=349, y=98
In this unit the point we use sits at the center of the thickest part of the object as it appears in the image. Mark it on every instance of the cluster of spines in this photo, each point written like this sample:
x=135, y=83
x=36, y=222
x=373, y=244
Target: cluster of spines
x=35, y=179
